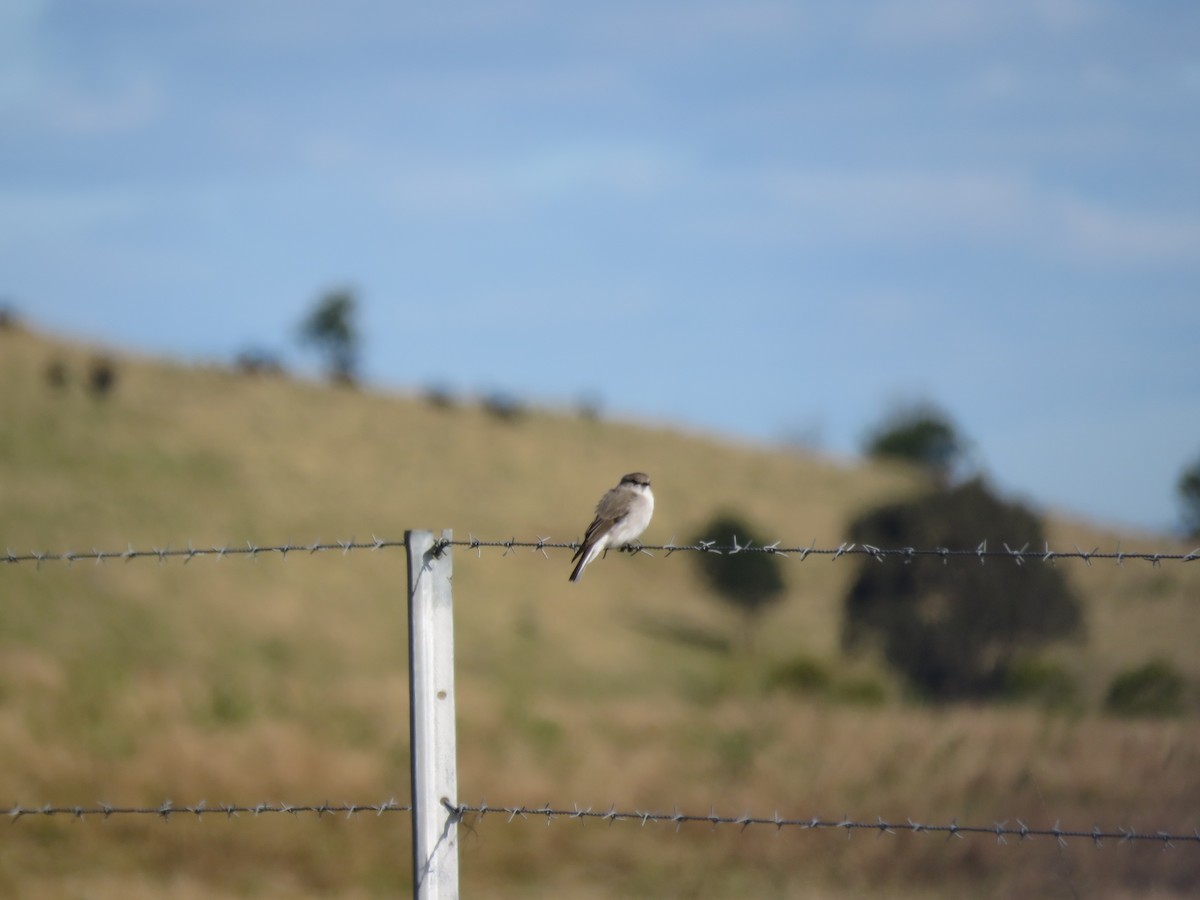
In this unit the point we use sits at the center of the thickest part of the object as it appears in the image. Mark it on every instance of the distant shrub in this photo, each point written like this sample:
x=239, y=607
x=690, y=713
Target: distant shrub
x=102, y=376
x=1050, y=685
x=256, y=361
x=800, y=675
x=504, y=407
x=1153, y=689
x=440, y=397
x=9, y=320
x=807, y=676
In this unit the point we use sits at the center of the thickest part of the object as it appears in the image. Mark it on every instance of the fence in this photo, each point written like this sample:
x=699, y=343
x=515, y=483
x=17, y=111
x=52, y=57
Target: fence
x=435, y=807
x=800, y=551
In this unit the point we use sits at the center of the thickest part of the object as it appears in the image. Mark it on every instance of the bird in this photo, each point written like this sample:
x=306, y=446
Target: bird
x=621, y=516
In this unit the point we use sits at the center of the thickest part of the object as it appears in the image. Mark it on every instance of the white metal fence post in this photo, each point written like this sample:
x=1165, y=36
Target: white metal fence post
x=431, y=718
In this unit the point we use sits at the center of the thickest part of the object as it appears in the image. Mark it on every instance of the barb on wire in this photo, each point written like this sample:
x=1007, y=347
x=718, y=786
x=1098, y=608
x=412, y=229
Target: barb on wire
x=510, y=546
x=167, y=809
x=880, y=826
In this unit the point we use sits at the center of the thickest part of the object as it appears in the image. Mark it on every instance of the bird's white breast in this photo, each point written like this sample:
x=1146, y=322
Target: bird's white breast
x=635, y=523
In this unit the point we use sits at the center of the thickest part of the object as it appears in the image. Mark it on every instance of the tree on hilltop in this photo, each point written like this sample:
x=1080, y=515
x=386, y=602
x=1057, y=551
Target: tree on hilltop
x=920, y=434
x=330, y=328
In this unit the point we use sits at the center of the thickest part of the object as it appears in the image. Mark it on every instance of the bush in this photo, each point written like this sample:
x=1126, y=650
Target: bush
x=1043, y=683
x=504, y=407
x=1154, y=689
x=255, y=361
x=800, y=675
x=751, y=581
x=953, y=629
x=102, y=376
x=803, y=675
x=439, y=396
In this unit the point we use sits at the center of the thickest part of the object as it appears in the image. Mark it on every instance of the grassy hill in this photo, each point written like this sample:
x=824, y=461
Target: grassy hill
x=247, y=680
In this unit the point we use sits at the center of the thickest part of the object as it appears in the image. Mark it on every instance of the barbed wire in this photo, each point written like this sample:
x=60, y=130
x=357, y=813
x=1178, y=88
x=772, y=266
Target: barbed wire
x=190, y=552
x=802, y=552
x=979, y=552
x=168, y=809
x=1001, y=831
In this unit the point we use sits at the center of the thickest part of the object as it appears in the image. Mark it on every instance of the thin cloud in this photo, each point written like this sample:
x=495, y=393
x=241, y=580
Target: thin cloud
x=937, y=208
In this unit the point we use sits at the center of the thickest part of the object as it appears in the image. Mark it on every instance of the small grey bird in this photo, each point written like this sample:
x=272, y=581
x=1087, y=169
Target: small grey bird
x=621, y=515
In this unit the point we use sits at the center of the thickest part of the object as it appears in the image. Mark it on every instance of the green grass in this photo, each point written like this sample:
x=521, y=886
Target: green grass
x=247, y=680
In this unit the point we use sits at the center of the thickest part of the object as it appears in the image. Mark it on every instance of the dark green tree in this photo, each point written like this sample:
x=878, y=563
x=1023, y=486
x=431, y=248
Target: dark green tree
x=953, y=629
x=748, y=581
x=920, y=434
x=1189, y=499
x=331, y=329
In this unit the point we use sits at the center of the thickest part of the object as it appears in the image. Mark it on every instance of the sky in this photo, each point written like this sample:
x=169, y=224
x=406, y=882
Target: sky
x=767, y=220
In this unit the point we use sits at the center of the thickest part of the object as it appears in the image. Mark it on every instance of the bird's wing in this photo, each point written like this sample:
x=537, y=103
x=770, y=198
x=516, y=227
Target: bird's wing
x=608, y=513
x=612, y=507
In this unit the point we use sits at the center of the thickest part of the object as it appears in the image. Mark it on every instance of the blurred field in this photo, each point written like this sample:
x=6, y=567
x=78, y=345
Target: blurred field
x=244, y=680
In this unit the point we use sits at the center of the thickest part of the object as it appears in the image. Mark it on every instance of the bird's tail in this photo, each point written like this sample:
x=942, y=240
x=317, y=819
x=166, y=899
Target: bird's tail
x=584, y=557
x=578, y=570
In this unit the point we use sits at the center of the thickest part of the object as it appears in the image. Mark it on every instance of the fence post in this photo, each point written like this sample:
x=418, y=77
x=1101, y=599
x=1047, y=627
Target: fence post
x=431, y=718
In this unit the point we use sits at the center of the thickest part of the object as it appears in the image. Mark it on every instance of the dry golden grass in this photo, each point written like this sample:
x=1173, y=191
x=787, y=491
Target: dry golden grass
x=245, y=680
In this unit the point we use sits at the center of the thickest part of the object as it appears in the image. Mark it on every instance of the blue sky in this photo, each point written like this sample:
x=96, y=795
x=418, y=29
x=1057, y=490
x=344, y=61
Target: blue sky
x=759, y=219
